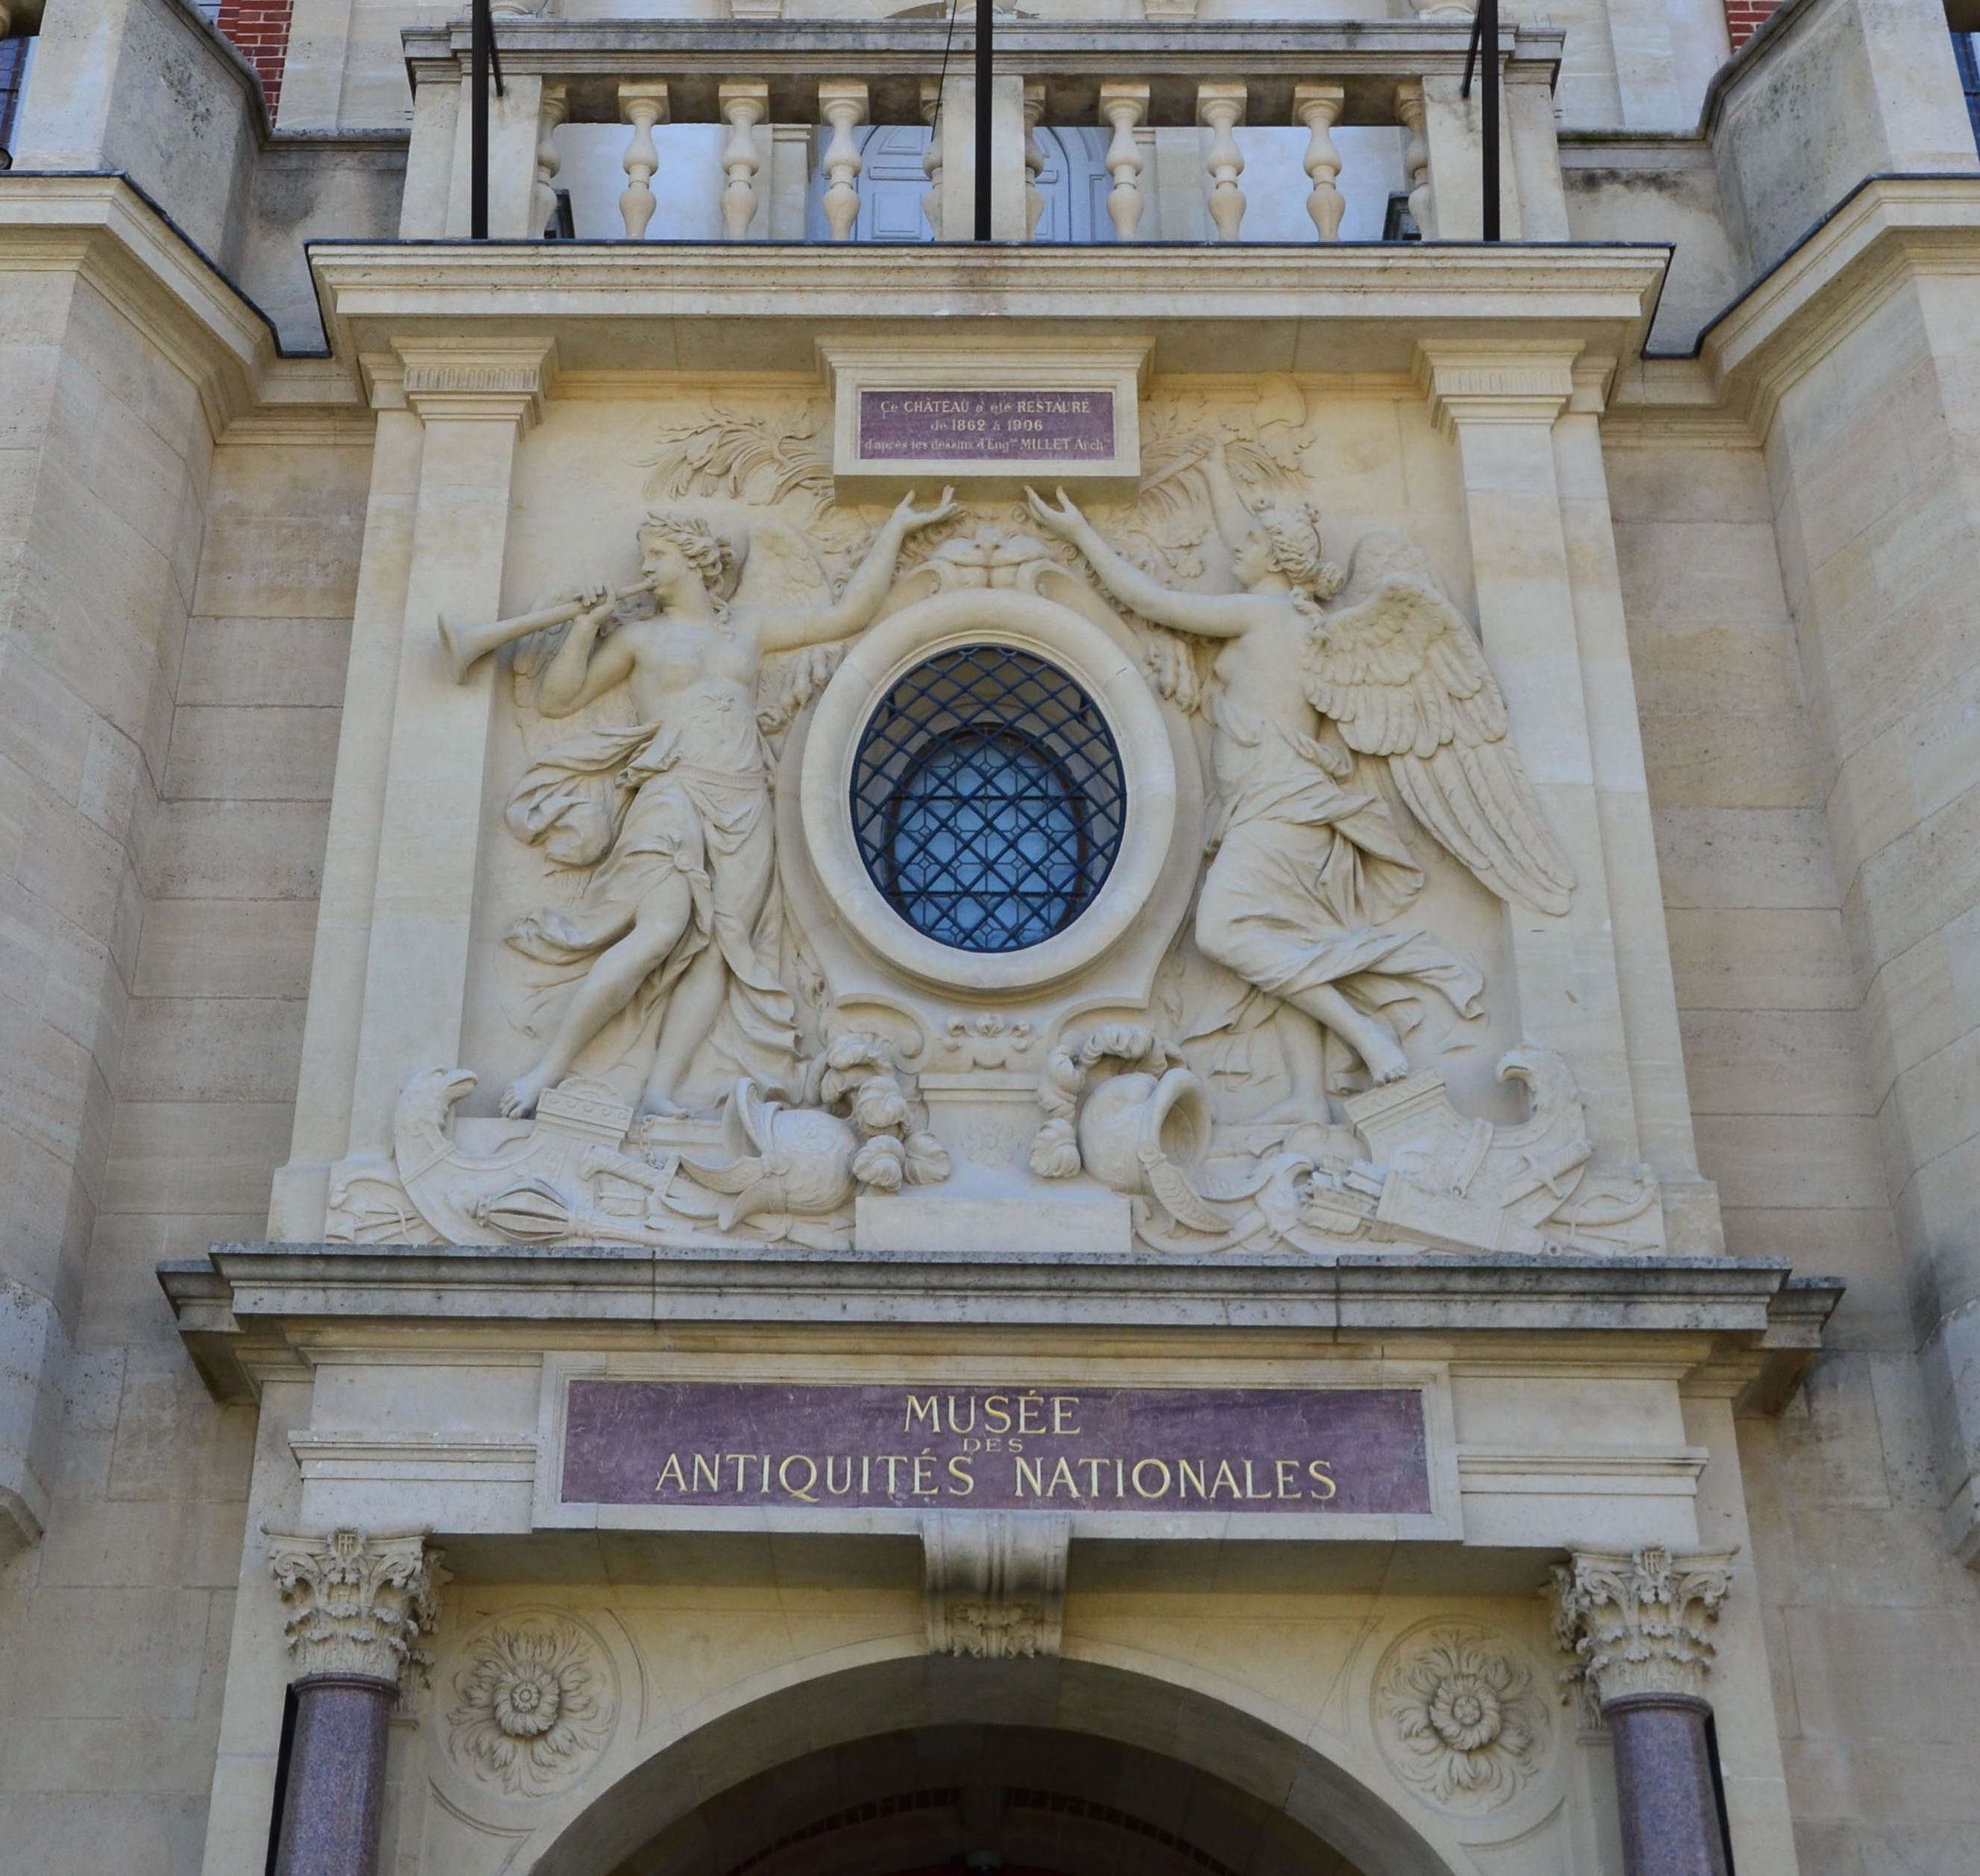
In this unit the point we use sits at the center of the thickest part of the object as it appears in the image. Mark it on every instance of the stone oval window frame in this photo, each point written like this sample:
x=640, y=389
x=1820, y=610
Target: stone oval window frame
x=1109, y=675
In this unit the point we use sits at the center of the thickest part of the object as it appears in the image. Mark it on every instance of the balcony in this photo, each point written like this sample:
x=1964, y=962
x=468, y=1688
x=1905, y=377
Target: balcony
x=1101, y=134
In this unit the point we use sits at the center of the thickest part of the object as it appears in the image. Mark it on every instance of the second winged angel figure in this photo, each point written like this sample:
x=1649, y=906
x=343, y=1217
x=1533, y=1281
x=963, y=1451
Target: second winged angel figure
x=1310, y=876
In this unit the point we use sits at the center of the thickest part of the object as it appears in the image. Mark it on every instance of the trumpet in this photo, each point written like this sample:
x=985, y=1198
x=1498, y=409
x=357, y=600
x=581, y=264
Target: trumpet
x=465, y=644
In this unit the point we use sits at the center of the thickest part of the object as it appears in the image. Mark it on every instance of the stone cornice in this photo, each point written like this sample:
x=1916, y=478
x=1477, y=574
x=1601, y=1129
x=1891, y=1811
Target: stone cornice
x=757, y=306
x=591, y=57
x=100, y=227
x=1891, y=229
x=248, y=1310
x=106, y=231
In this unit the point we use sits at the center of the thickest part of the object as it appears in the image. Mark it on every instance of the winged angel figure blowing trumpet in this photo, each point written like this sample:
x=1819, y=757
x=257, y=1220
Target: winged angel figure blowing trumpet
x=1311, y=874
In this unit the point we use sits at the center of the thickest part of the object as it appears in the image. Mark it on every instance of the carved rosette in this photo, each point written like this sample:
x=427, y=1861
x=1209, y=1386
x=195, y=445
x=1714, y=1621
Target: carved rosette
x=537, y=1698
x=1459, y=1716
x=357, y=1604
x=1637, y=1622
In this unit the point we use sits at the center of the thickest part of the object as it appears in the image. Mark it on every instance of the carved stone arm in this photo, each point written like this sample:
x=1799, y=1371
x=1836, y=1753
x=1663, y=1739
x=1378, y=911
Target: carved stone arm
x=1207, y=615
x=854, y=609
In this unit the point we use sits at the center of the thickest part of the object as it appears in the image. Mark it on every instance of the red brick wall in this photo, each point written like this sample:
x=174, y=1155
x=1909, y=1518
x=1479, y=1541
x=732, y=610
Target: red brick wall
x=261, y=29
x=1745, y=18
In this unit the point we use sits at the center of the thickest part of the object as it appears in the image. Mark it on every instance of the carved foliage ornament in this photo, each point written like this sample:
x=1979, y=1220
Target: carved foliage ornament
x=357, y=1604
x=1638, y=1622
x=535, y=1699
x=1459, y=1716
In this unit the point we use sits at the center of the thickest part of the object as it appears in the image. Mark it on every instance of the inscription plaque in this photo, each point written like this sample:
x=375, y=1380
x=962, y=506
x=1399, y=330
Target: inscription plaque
x=986, y=426
x=762, y=1445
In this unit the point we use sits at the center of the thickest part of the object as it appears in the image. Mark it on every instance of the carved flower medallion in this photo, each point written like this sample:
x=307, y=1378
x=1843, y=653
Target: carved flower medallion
x=1460, y=1718
x=536, y=1700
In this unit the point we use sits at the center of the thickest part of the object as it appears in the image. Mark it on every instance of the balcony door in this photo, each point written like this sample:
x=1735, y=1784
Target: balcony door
x=1074, y=183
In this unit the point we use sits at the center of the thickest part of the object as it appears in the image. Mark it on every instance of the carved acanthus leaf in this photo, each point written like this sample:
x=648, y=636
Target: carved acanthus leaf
x=357, y=1604
x=1639, y=1621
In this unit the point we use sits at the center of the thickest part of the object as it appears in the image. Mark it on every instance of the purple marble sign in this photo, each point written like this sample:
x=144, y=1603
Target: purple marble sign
x=774, y=1444
x=986, y=426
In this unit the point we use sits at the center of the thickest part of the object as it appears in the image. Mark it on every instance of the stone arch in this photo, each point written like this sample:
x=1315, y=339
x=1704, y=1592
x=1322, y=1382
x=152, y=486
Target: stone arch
x=1158, y=1719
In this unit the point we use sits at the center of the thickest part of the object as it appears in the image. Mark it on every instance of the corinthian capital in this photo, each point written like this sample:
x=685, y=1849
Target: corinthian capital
x=357, y=1604
x=1636, y=1621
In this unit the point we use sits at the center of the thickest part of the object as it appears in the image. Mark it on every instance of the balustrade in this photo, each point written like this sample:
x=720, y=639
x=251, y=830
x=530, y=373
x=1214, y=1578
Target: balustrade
x=1138, y=94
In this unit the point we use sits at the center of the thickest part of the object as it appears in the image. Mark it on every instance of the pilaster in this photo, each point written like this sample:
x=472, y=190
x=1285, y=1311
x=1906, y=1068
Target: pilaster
x=474, y=399
x=514, y=125
x=1500, y=399
x=1644, y=980
x=322, y=1129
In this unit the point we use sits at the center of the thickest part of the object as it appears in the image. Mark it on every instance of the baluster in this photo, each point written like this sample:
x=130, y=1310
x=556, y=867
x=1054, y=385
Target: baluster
x=932, y=156
x=743, y=106
x=1318, y=106
x=1416, y=152
x=1035, y=158
x=1222, y=106
x=642, y=106
x=542, y=198
x=842, y=104
x=1126, y=108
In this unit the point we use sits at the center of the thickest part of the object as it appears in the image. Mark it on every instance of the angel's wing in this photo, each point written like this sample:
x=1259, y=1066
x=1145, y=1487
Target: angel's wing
x=782, y=568
x=1401, y=677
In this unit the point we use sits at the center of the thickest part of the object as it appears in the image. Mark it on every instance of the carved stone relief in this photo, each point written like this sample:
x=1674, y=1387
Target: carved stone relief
x=1460, y=1717
x=358, y=1604
x=995, y=1583
x=707, y=1066
x=1639, y=1621
x=534, y=1700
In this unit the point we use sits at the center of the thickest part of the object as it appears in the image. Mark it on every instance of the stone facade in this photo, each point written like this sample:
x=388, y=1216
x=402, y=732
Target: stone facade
x=492, y=1018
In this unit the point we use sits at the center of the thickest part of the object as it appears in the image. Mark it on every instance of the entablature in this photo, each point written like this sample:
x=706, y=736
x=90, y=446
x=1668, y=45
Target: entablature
x=723, y=308
x=247, y=1311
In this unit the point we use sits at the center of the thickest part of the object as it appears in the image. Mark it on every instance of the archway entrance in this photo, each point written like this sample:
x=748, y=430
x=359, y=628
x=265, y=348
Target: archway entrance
x=995, y=1801
x=1049, y=1767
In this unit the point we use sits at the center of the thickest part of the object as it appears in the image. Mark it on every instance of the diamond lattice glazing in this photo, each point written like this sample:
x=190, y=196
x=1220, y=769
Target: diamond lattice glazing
x=987, y=799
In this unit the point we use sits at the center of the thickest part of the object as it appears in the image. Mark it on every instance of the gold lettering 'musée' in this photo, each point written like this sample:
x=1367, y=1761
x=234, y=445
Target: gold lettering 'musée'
x=1030, y=1412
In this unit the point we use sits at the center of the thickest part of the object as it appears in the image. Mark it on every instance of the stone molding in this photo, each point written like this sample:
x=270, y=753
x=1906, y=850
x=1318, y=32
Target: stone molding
x=1637, y=1621
x=358, y=1604
x=996, y=1583
x=250, y=1311
x=491, y=379
x=1889, y=230
x=1495, y=380
x=697, y=305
